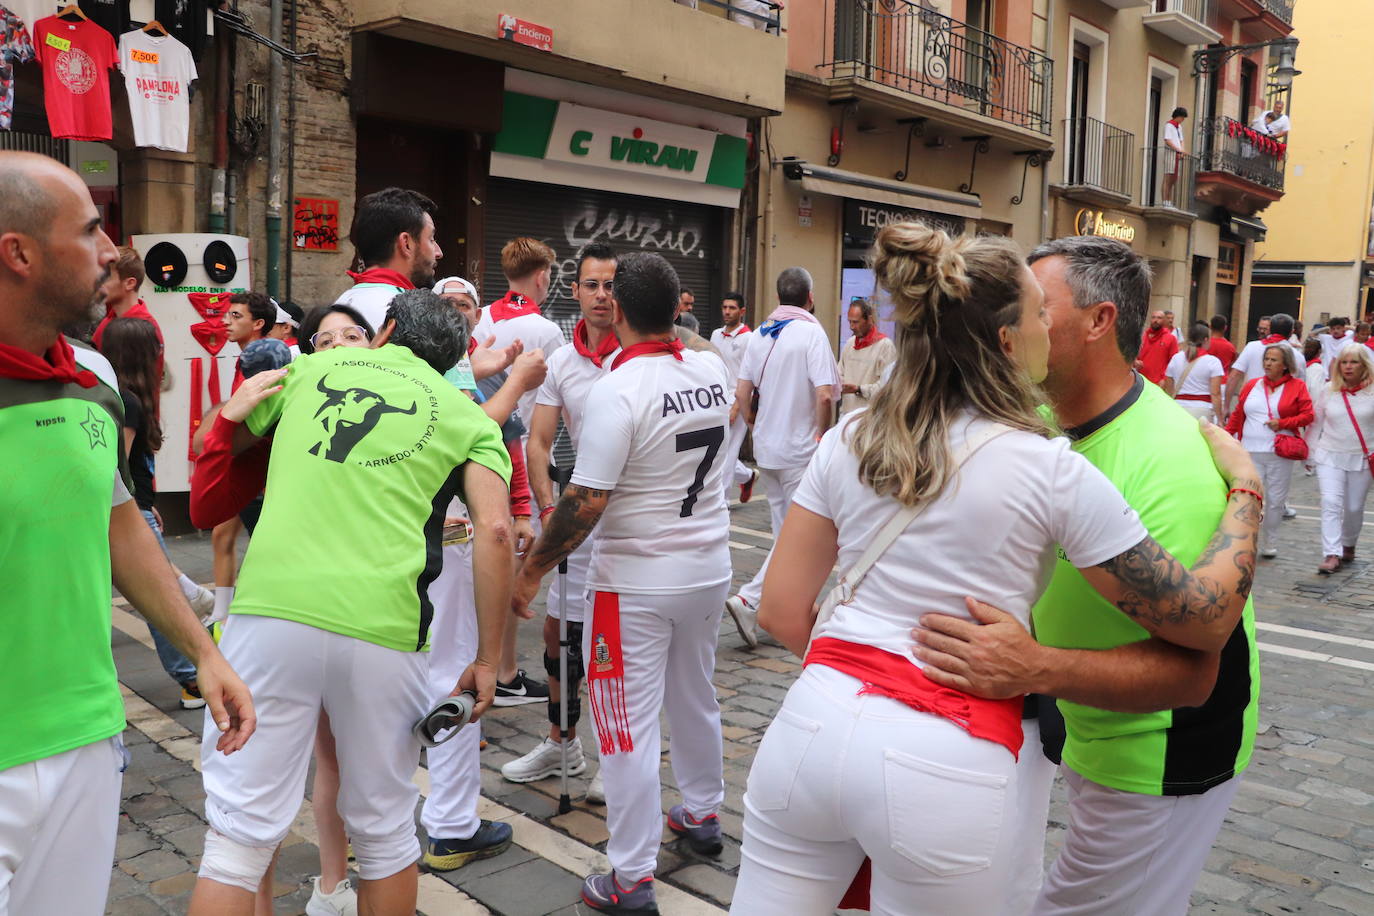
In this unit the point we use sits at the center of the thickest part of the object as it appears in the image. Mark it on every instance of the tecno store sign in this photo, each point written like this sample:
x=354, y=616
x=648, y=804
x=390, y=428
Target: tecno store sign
x=1098, y=222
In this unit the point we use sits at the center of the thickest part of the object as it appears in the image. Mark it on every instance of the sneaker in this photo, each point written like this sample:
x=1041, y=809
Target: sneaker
x=546, y=760
x=746, y=489
x=491, y=839
x=1268, y=553
x=1290, y=512
x=520, y=690
x=203, y=602
x=1329, y=565
x=342, y=901
x=746, y=620
x=596, y=792
x=702, y=835
x=190, y=696
x=604, y=894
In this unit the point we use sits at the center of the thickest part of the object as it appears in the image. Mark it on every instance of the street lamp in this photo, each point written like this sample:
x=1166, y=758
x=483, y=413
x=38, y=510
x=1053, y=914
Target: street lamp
x=1284, y=72
x=1211, y=60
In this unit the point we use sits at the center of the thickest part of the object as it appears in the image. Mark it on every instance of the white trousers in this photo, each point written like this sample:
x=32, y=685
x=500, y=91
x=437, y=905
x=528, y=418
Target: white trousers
x=1276, y=473
x=58, y=818
x=455, y=777
x=742, y=473
x=668, y=651
x=374, y=696
x=1034, y=782
x=1127, y=854
x=839, y=776
x=1200, y=409
x=780, y=483
x=1343, y=497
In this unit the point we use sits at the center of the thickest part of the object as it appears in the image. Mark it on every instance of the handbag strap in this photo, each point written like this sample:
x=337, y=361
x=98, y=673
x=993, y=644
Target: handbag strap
x=1355, y=423
x=1186, y=372
x=849, y=581
x=1297, y=433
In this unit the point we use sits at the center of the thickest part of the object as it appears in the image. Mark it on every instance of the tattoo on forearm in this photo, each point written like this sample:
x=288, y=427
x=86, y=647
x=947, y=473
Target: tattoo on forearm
x=1159, y=590
x=572, y=520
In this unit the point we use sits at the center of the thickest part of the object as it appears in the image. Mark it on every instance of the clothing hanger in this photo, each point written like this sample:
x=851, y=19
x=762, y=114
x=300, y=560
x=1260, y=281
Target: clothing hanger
x=72, y=9
x=155, y=28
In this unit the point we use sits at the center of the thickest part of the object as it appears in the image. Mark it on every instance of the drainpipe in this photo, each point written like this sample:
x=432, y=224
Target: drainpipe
x=291, y=142
x=218, y=190
x=1046, y=224
x=274, y=140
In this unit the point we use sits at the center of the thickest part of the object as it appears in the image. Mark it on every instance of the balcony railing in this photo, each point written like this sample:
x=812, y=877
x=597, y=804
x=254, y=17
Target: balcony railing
x=1280, y=8
x=1229, y=146
x=1201, y=10
x=1099, y=155
x=758, y=14
x=1169, y=178
x=900, y=44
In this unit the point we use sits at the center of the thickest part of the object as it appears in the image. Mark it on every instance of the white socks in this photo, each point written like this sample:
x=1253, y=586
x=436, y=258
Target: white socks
x=224, y=596
x=188, y=588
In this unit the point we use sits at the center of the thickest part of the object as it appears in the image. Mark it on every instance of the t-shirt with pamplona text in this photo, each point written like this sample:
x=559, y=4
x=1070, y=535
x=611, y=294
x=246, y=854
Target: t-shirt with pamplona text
x=368, y=448
x=158, y=71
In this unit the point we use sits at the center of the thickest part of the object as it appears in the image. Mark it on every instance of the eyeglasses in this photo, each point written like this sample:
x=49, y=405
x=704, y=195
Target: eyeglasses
x=349, y=336
x=591, y=286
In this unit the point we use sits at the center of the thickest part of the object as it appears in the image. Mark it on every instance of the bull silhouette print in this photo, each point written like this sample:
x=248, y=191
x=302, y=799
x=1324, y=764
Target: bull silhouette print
x=347, y=416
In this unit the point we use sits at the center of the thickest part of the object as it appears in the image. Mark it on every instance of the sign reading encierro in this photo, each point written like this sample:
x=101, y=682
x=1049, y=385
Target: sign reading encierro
x=1096, y=222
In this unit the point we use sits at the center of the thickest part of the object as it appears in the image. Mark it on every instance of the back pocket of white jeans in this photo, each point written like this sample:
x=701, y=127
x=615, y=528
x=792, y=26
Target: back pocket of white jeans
x=944, y=819
x=779, y=759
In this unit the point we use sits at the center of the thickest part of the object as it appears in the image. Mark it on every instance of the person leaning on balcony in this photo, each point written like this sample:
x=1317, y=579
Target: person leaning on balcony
x=1173, y=139
x=1279, y=125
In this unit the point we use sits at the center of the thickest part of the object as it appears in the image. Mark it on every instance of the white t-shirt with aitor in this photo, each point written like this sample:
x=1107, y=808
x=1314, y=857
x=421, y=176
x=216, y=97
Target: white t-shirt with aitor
x=991, y=535
x=787, y=370
x=1199, y=381
x=656, y=439
x=158, y=72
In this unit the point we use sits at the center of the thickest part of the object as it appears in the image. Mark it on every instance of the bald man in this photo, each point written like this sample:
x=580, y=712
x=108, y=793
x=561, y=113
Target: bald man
x=67, y=525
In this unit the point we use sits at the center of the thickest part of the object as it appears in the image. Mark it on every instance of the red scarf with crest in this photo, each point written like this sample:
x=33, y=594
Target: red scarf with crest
x=512, y=305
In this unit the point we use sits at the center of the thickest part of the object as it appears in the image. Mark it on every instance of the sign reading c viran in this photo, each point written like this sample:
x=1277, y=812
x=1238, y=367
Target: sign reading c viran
x=564, y=132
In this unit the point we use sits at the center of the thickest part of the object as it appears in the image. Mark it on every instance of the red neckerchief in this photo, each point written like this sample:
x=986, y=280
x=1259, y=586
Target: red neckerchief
x=743, y=329
x=604, y=349
x=384, y=275
x=1313, y=362
x=1355, y=390
x=209, y=305
x=56, y=365
x=673, y=346
x=512, y=305
x=873, y=336
x=1274, y=386
x=1273, y=339
x=1155, y=335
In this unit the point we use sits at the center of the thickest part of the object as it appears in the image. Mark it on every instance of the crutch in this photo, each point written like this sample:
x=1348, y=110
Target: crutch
x=561, y=476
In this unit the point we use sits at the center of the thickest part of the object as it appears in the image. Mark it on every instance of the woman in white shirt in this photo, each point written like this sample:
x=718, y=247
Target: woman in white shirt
x=1343, y=473
x=867, y=756
x=1194, y=378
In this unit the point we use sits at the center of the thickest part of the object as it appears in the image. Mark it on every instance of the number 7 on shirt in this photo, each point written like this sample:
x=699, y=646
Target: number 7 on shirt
x=710, y=439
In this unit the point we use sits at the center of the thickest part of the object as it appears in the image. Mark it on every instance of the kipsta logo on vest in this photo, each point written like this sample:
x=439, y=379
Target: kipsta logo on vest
x=347, y=416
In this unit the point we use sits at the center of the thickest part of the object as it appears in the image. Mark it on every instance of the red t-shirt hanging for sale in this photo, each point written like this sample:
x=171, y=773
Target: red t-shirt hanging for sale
x=76, y=59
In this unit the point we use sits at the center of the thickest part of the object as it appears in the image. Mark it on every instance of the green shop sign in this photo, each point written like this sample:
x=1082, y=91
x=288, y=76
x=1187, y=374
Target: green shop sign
x=542, y=128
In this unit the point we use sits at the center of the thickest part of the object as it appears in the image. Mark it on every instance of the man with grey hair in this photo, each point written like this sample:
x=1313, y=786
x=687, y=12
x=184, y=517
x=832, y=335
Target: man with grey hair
x=69, y=526
x=864, y=358
x=789, y=366
x=1157, y=736
x=369, y=441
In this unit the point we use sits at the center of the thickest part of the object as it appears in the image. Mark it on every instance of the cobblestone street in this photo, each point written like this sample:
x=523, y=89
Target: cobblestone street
x=1299, y=839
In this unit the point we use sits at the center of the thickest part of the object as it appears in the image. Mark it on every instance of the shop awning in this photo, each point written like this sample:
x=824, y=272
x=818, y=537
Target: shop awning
x=1247, y=227
x=841, y=183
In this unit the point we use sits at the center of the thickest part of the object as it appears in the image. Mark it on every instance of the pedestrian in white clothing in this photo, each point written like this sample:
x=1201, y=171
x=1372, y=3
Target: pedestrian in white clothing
x=868, y=756
x=649, y=470
x=1344, y=424
x=864, y=358
x=731, y=340
x=1334, y=338
x=1194, y=378
x=790, y=367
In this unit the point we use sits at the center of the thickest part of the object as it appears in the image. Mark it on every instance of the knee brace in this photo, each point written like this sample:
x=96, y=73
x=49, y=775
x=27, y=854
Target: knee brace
x=572, y=689
x=230, y=862
x=381, y=857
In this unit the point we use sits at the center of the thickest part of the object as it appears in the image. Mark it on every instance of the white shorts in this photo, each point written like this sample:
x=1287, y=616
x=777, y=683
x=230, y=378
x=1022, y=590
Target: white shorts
x=374, y=696
x=58, y=818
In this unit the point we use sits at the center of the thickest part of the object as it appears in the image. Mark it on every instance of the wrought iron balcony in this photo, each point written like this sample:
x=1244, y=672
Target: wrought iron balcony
x=764, y=15
x=900, y=44
x=1231, y=147
x=1280, y=8
x=1098, y=155
x=1169, y=178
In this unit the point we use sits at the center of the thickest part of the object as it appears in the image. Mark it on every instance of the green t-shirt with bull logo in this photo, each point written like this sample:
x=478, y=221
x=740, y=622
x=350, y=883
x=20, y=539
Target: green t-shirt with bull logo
x=368, y=449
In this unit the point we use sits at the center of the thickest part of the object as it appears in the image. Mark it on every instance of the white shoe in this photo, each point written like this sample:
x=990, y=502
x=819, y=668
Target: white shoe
x=546, y=760
x=203, y=602
x=596, y=792
x=1269, y=552
x=342, y=902
x=1290, y=512
x=746, y=620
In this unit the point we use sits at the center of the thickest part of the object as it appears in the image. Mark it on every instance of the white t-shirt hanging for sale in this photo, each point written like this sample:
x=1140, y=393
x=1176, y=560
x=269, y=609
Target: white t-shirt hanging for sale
x=158, y=72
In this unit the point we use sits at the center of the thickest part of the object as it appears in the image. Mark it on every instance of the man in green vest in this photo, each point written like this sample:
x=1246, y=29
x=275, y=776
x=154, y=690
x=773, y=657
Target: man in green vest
x=67, y=526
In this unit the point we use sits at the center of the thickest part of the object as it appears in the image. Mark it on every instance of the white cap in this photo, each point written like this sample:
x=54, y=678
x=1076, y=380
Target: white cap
x=465, y=287
x=283, y=316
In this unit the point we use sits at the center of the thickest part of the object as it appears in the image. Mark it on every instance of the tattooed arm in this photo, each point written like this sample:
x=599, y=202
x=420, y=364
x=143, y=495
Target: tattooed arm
x=573, y=518
x=1197, y=608
x=693, y=341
